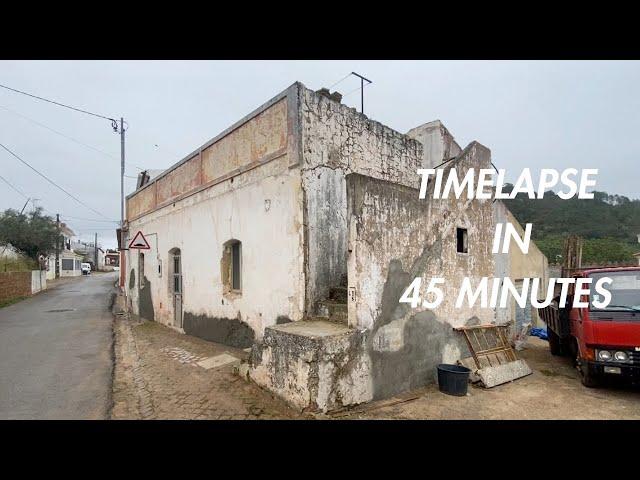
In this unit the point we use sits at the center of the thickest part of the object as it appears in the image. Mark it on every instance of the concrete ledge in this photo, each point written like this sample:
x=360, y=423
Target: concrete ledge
x=313, y=365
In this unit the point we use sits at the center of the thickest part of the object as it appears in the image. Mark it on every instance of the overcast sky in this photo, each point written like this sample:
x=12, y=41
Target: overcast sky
x=556, y=114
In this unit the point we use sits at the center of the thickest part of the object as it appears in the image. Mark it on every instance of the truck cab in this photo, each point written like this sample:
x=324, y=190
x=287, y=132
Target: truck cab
x=605, y=342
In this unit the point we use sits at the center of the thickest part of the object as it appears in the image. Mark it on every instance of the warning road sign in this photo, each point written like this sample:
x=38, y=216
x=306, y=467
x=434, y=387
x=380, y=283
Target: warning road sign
x=139, y=242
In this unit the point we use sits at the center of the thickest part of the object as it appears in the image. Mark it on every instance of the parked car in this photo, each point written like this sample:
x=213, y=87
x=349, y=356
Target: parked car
x=86, y=268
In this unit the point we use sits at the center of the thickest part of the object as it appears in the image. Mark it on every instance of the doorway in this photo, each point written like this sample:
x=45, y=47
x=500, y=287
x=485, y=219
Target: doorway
x=176, y=285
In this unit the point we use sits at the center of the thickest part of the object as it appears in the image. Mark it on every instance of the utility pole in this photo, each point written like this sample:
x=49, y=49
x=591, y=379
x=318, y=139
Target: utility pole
x=121, y=242
x=121, y=172
x=95, y=252
x=58, y=246
x=362, y=80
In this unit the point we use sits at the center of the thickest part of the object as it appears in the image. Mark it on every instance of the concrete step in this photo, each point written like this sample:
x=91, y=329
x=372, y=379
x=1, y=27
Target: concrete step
x=333, y=311
x=338, y=294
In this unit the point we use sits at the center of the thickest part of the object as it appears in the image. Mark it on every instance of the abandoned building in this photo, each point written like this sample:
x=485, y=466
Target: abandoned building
x=295, y=232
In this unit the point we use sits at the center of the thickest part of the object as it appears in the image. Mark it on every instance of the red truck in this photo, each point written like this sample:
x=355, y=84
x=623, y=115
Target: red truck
x=605, y=342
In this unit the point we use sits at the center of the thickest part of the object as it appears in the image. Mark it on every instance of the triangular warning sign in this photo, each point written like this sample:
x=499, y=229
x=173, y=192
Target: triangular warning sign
x=139, y=242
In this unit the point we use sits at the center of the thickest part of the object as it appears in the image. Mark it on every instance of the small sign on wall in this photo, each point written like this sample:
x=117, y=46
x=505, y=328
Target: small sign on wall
x=139, y=242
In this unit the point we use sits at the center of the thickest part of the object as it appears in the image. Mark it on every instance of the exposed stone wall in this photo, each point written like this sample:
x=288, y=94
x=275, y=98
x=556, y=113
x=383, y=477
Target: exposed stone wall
x=336, y=141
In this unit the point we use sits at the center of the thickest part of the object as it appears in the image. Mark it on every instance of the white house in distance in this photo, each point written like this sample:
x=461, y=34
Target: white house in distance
x=70, y=264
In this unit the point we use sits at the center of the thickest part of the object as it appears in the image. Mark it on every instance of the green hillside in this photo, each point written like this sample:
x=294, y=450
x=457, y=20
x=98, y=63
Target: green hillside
x=609, y=224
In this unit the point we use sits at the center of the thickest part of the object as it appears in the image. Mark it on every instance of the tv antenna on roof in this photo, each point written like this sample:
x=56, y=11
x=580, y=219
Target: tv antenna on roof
x=362, y=80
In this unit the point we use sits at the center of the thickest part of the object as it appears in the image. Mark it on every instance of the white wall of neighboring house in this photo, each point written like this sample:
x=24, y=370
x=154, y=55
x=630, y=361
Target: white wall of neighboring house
x=70, y=264
x=8, y=252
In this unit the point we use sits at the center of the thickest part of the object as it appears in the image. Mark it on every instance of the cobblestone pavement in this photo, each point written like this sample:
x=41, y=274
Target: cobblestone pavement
x=157, y=376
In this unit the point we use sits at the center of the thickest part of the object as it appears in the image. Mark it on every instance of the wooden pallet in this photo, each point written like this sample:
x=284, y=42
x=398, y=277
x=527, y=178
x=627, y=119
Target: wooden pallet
x=488, y=344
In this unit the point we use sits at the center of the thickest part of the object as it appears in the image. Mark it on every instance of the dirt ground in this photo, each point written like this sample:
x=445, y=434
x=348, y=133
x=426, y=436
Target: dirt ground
x=553, y=391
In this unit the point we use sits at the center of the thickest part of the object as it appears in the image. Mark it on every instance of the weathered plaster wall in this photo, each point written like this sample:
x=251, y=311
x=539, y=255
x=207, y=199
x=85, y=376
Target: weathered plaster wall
x=313, y=365
x=263, y=210
x=438, y=144
x=267, y=133
x=396, y=237
x=243, y=185
x=336, y=141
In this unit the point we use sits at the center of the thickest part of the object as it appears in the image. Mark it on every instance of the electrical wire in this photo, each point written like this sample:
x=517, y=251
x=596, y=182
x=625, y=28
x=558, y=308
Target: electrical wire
x=13, y=186
x=343, y=78
x=90, y=219
x=53, y=183
x=353, y=91
x=113, y=120
x=59, y=133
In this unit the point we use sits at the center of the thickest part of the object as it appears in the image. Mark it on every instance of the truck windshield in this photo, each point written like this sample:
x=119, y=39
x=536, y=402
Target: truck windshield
x=625, y=291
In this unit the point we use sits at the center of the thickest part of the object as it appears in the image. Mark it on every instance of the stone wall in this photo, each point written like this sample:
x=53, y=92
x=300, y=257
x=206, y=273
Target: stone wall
x=336, y=141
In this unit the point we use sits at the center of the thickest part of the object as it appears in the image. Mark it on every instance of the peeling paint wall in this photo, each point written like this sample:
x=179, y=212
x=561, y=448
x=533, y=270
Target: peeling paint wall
x=396, y=237
x=336, y=141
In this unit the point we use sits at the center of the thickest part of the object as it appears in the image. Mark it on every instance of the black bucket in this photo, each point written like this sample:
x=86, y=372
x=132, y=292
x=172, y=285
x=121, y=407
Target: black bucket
x=453, y=379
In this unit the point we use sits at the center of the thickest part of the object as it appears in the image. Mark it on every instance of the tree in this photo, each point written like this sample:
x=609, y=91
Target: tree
x=33, y=234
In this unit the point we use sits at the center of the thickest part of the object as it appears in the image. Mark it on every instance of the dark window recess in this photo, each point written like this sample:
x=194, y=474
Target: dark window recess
x=177, y=272
x=67, y=264
x=235, y=266
x=462, y=240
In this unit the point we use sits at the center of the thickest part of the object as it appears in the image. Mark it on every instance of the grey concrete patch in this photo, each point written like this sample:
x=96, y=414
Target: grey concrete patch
x=145, y=301
x=228, y=331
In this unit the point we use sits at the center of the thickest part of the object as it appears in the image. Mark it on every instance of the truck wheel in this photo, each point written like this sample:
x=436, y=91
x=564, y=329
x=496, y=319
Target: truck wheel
x=554, y=342
x=588, y=380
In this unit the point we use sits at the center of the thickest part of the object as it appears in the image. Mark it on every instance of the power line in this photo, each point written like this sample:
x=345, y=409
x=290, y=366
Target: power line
x=12, y=186
x=89, y=219
x=343, y=78
x=53, y=183
x=66, y=136
x=113, y=120
x=59, y=133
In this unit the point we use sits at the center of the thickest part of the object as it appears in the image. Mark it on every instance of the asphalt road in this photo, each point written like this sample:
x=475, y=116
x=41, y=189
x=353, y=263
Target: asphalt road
x=56, y=352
